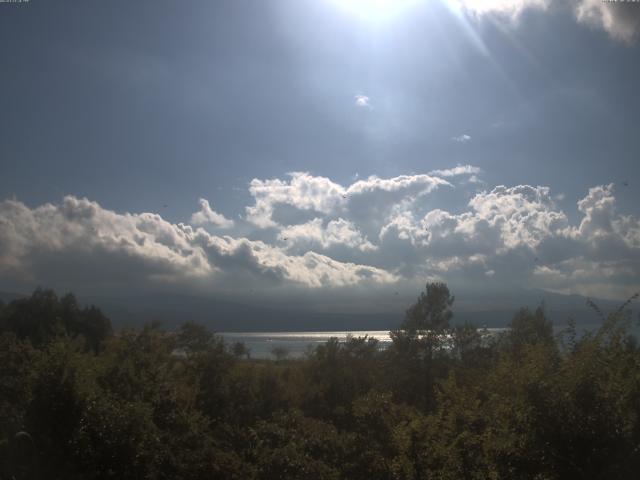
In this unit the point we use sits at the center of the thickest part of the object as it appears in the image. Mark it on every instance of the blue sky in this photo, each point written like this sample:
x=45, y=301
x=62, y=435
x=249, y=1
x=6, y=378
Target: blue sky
x=331, y=148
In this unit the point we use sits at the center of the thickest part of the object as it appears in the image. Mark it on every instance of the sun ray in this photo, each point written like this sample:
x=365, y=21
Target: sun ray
x=377, y=10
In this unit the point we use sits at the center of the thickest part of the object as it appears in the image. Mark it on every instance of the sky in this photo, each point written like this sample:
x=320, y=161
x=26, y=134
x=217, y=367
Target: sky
x=331, y=153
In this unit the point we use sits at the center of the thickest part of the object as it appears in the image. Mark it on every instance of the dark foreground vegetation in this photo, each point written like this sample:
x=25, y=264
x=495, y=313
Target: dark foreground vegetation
x=439, y=403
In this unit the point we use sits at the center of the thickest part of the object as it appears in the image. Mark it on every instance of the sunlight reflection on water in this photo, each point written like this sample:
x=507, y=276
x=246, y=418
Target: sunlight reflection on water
x=297, y=344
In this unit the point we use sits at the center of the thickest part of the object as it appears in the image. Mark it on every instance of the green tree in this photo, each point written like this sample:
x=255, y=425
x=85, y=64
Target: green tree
x=193, y=338
x=432, y=311
x=239, y=349
x=43, y=317
x=280, y=353
x=416, y=357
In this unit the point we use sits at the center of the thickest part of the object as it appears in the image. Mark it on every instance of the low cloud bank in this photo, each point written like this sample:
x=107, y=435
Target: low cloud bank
x=368, y=234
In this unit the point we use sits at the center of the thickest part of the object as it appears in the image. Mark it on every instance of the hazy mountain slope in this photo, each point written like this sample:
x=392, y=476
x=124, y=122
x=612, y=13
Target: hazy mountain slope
x=224, y=315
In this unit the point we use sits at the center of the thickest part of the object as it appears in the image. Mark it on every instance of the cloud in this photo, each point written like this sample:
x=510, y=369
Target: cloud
x=502, y=219
x=420, y=184
x=363, y=101
x=474, y=179
x=272, y=263
x=464, y=138
x=314, y=234
x=373, y=232
x=459, y=170
x=524, y=215
x=602, y=230
x=517, y=232
x=305, y=192
x=78, y=242
x=509, y=8
x=616, y=279
x=621, y=20
x=206, y=216
x=598, y=208
x=402, y=225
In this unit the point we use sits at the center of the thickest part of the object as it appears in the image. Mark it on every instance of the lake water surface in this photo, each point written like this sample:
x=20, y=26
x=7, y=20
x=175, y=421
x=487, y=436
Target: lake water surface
x=296, y=343
x=261, y=344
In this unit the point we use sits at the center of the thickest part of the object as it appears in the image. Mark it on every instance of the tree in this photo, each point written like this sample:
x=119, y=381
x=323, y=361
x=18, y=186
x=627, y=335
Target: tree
x=240, y=350
x=431, y=312
x=16, y=363
x=194, y=338
x=530, y=328
x=280, y=353
x=412, y=366
x=43, y=317
x=95, y=327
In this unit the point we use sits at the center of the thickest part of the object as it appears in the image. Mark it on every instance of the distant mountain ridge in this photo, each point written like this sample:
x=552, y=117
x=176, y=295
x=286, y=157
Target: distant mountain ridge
x=228, y=316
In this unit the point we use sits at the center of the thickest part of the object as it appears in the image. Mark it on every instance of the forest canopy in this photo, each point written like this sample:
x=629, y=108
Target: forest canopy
x=441, y=401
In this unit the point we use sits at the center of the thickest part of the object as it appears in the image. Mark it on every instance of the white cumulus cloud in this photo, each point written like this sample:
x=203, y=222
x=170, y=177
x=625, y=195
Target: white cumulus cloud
x=363, y=101
x=464, y=138
x=78, y=241
x=306, y=192
x=621, y=20
x=206, y=216
x=458, y=170
x=338, y=232
x=312, y=232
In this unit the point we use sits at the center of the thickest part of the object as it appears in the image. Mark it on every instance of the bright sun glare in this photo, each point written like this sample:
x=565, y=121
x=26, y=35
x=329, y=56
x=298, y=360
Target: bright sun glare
x=376, y=9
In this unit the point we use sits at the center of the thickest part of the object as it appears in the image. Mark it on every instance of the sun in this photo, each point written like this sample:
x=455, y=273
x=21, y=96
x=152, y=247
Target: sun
x=376, y=10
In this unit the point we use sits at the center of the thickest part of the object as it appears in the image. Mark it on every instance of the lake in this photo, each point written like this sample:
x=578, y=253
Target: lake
x=297, y=343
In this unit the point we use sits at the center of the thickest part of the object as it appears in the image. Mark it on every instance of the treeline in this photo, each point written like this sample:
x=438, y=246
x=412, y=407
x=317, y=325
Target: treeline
x=441, y=402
